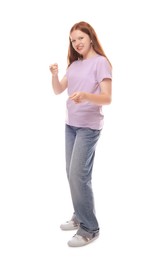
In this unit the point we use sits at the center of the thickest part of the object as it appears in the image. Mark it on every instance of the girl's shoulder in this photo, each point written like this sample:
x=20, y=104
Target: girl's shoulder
x=102, y=58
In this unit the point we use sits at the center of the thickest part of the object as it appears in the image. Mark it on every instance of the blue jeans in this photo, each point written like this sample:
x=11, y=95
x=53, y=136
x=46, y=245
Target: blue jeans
x=80, y=153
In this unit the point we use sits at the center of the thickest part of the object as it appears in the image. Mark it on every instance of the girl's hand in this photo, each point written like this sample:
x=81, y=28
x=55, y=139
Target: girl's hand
x=78, y=97
x=54, y=69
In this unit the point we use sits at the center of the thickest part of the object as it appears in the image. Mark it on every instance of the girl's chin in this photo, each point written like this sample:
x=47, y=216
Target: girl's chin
x=80, y=52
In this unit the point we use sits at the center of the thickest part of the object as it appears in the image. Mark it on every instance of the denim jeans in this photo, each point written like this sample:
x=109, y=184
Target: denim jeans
x=80, y=153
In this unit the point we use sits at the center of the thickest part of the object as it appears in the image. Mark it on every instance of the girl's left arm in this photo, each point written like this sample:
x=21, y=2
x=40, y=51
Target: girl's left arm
x=104, y=98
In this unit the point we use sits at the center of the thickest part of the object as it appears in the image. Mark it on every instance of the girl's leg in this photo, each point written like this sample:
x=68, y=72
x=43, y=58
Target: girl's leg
x=80, y=175
x=70, y=136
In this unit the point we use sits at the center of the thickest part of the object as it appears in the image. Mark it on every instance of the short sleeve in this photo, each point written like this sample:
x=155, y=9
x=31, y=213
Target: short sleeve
x=104, y=69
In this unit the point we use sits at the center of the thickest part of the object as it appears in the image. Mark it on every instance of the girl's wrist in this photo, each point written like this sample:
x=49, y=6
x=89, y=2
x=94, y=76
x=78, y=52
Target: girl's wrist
x=54, y=75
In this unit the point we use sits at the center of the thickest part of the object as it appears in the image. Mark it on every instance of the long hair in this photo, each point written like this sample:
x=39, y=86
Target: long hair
x=88, y=29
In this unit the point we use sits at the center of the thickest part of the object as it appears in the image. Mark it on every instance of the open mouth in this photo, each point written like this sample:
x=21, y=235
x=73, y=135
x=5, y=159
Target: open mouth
x=79, y=48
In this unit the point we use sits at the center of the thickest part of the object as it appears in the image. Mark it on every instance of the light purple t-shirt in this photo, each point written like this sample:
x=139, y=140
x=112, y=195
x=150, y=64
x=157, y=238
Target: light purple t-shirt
x=85, y=76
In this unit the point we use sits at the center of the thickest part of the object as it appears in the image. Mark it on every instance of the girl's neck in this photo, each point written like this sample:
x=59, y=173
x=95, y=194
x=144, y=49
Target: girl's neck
x=90, y=54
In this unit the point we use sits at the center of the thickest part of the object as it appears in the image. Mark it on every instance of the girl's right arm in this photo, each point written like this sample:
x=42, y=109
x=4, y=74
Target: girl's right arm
x=58, y=86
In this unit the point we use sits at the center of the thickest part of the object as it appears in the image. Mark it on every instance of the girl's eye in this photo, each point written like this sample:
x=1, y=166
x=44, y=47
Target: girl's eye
x=80, y=38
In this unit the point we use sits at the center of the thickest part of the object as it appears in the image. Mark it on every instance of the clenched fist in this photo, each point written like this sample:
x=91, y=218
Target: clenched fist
x=54, y=69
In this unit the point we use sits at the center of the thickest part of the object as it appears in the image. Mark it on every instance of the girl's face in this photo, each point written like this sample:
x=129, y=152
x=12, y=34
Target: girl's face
x=81, y=42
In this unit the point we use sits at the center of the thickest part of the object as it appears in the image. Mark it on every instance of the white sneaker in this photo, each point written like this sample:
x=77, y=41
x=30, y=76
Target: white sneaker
x=77, y=240
x=69, y=225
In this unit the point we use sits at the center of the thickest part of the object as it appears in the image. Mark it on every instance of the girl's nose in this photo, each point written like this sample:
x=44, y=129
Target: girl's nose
x=77, y=43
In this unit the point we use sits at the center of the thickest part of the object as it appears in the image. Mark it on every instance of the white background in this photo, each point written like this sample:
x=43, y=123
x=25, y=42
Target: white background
x=127, y=178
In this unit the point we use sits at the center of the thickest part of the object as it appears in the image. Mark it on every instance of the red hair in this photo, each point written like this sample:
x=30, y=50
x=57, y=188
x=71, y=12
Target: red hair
x=88, y=29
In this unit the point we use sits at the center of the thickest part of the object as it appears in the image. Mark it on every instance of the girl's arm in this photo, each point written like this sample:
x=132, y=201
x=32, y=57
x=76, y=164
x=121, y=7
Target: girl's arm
x=58, y=86
x=104, y=98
